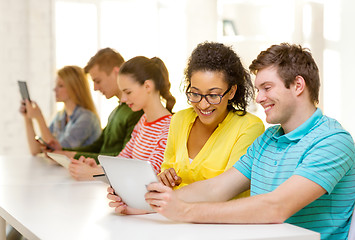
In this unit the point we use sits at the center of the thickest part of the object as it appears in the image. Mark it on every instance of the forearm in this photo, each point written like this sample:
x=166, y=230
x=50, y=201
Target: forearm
x=46, y=134
x=30, y=134
x=215, y=189
x=256, y=209
x=273, y=207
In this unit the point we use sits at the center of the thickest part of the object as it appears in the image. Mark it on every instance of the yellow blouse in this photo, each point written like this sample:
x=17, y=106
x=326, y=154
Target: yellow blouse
x=225, y=146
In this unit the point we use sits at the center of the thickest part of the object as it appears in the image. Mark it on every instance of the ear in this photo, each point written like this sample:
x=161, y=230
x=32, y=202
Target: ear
x=148, y=85
x=115, y=70
x=232, y=92
x=299, y=85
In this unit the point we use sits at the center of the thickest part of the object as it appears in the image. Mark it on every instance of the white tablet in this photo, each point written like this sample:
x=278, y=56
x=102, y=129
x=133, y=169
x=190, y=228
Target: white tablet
x=129, y=178
x=60, y=158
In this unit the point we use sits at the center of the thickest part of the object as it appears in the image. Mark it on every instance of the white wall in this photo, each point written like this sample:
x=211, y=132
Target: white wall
x=346, y=80
x=26, y=53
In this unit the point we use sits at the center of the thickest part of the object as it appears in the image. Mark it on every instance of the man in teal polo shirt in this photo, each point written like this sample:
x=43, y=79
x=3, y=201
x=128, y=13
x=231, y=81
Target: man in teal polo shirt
x=300, y=171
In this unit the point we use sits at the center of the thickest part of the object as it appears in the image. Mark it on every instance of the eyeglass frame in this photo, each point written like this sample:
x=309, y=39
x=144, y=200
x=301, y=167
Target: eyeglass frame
x=205, y=96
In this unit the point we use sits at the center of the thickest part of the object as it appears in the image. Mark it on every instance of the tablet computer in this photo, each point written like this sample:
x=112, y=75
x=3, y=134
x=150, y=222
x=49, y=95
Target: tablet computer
x=129, y=178
x=60, y=158
x=24, y=90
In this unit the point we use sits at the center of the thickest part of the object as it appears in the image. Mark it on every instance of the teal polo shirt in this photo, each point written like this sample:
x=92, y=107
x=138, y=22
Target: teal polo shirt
x=319, y=150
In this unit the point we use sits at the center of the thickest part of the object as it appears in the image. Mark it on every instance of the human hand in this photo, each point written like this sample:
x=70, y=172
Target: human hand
x=120, y=206
x=32, y=109
x=54, y=143
x=23, y=108
x=90, y=161
x=169, y=178
x=44, y=146
x=164, y=200
x=80, y=170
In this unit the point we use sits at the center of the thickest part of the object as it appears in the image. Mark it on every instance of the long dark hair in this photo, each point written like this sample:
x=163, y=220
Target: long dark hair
x=143, y=68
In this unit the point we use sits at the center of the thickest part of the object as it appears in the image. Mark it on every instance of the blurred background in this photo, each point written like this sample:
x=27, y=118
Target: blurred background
x=37, y=37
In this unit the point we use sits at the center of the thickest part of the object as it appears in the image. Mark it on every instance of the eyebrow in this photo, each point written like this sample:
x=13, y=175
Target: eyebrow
x=264, y=83
x=211, y=89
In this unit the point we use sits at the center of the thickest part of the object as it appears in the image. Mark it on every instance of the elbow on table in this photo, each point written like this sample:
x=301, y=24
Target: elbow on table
x=277, y=211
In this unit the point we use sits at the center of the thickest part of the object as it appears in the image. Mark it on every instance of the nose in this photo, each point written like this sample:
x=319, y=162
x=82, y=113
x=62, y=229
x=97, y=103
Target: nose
x=260, y=97
x=96, y=87
x=203, y=104
x=123, y=98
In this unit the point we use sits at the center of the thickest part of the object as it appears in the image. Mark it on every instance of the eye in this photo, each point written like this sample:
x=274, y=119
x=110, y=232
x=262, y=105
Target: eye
x=194, y=94
x=213, y=96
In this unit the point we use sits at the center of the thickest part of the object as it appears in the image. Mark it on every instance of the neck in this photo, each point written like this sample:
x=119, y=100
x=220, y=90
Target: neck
x=155, y=110
x=69, y=107
x=301, y=115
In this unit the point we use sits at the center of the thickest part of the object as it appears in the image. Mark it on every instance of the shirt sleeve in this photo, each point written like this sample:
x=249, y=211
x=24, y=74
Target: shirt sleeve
x=169, y=153
x=157, y=156
x=245, y=139
x=79, y=131
x=328, y=160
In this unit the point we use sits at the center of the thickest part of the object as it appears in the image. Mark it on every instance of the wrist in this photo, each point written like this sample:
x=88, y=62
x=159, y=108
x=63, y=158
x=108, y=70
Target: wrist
x=188, y=212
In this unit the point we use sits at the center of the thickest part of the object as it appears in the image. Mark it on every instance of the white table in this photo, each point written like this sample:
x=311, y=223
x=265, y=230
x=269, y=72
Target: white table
x=42, y=201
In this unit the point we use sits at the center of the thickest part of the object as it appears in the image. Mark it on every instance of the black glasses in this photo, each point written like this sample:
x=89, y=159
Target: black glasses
x=210, y=98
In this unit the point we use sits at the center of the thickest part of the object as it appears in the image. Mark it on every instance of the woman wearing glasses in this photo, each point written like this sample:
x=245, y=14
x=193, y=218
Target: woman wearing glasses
x=210, y=137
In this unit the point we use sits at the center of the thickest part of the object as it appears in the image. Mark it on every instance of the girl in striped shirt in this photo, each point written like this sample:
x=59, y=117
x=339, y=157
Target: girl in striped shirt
x=144, y=82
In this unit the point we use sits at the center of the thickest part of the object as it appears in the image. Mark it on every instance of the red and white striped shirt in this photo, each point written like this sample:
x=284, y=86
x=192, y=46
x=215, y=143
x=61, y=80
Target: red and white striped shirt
x=148, y=141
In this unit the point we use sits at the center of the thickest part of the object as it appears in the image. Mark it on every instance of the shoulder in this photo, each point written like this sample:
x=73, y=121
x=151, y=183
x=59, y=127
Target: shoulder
x=245, y=121
x=124, y=112
x=184, y=115
x=330, y=131
x=84, y=113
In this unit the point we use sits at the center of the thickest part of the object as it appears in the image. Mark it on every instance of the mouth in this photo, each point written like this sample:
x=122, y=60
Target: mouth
x=268, y=107
x=130, y=105
x=206, y=112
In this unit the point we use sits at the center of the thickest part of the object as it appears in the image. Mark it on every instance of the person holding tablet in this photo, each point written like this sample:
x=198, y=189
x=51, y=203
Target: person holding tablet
x=76, y=125
x=210, y=137
x=143, y=83
x=300, y=171
x=103, y=69
x=207, y=139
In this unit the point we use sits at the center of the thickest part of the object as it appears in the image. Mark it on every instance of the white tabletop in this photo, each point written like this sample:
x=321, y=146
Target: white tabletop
x=42, y=201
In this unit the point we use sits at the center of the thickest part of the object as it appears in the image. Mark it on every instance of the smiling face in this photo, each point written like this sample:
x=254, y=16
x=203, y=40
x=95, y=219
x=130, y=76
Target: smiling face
x=278, y=101
x=133, y=93
x=61, y=93
x=106, y=84
x=208, y=82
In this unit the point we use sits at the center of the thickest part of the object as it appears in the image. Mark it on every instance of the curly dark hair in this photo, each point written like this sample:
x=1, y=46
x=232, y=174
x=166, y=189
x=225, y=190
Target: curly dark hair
x=212, y=56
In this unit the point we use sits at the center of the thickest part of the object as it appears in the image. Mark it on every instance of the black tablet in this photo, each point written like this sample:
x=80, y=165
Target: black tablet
x=24, y=90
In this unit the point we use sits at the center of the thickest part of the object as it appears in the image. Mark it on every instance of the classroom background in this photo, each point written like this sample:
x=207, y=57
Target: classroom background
x=39, y=36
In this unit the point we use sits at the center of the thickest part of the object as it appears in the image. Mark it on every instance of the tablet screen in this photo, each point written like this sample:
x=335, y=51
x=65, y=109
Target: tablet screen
x=24, y=90
x=129, y=178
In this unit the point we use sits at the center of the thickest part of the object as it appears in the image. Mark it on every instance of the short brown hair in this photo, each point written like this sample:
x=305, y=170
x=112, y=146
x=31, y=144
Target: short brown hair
x=290, y=60
x=106, y=59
